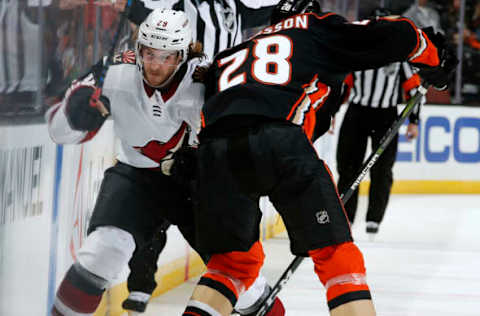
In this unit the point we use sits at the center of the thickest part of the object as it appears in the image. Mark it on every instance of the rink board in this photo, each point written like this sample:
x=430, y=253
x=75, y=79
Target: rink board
x=444, y=158
x=48, y=193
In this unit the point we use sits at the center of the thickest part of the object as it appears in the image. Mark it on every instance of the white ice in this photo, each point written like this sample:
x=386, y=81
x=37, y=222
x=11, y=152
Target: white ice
x=425, y=261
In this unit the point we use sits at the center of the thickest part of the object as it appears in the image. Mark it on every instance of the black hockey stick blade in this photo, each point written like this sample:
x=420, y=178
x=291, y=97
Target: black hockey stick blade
x=387, y=138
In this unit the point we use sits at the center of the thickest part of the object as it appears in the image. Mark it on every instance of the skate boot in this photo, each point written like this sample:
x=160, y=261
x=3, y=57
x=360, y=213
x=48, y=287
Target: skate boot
x=372, y=230
x=277, y=309
x=136, y=303
x=372, y=227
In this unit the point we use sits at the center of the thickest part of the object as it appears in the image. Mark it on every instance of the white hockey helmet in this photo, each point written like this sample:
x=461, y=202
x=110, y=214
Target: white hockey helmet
x=166, y=30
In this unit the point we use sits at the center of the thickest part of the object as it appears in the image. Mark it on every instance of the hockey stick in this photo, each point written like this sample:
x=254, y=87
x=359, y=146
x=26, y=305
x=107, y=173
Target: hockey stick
x=103, y=72
x=387, y=138
x=385, y=141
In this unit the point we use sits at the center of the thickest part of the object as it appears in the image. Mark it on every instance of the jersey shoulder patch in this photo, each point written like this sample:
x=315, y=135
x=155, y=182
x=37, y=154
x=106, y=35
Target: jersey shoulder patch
x=126, y=57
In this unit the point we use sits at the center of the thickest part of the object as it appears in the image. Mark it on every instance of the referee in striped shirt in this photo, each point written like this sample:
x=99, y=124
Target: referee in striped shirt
x=374, y=95
x=219, y=23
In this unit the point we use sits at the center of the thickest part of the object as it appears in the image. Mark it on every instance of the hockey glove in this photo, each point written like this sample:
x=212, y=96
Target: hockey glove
x=81, y=115
x=439, y=76
x=184, y=166
x=200, y=74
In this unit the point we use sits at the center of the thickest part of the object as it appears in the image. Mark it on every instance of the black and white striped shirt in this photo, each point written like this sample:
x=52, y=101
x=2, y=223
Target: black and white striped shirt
x=383, y=87
x=22, y=70
x=19, y=57
x=219, y=23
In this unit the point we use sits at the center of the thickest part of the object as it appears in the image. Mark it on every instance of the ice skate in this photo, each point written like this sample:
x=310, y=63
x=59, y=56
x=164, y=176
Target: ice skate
x=372, y=230
x=136, y=303
x=277, y=309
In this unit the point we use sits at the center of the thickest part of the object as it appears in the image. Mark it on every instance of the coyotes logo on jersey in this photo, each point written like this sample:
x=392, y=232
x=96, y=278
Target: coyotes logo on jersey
x=157, y=150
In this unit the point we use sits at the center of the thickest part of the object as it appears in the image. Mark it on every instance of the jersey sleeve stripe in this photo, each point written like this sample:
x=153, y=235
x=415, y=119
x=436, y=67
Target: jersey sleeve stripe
x=312, y=99
x=427, y=53
x=424, y=52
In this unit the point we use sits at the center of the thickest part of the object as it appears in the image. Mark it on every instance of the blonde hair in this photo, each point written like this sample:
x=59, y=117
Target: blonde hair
x=195, y=50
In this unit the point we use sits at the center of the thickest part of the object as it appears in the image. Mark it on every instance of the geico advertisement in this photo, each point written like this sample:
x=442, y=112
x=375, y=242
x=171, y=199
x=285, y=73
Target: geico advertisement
x=447, y=147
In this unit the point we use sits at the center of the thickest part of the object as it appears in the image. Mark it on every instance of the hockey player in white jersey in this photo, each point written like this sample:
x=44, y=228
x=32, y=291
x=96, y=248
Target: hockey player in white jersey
x=154, y=100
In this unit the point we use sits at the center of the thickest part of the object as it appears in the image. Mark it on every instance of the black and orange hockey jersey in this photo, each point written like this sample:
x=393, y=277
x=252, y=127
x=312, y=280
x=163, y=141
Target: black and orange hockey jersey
x=294, y=70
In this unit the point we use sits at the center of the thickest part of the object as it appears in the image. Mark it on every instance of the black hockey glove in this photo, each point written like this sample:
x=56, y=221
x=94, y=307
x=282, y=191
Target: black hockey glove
x=184, y=167
x=439, y=77
x=201, y=74
x=81, y=115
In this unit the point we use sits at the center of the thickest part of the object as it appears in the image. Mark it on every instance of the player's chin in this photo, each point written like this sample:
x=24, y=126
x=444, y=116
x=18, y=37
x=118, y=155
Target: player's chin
x=156, y=80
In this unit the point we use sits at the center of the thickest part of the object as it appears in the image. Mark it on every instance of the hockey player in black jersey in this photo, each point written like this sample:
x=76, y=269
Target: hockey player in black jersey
x=261, y=113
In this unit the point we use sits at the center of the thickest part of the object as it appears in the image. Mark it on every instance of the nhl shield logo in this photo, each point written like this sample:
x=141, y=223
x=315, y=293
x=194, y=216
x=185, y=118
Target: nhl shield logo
x=228, y=19
x=322, y=217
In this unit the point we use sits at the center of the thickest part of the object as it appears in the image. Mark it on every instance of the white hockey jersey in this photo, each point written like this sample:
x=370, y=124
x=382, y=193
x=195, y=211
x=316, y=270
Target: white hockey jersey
x=151, y=128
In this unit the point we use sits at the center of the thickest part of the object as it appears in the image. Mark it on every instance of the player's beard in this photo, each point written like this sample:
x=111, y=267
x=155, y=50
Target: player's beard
x=160, y=79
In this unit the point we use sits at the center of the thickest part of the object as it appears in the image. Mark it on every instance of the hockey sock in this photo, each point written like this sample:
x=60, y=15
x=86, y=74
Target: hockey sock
x=342, y=271
x=228, y=275
x=79, y=293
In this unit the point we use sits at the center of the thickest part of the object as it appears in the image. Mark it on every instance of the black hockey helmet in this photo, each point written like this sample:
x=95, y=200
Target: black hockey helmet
x=287, y=8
